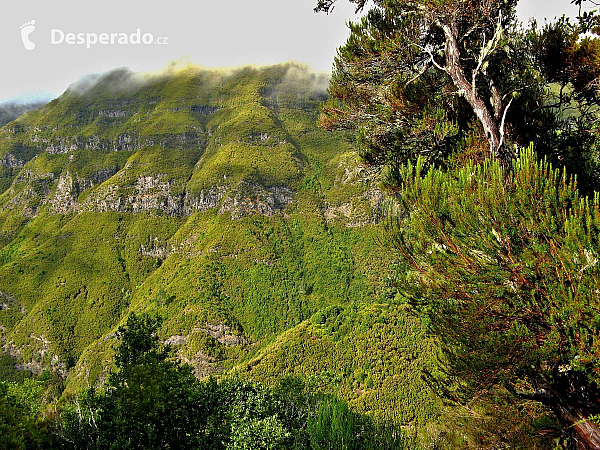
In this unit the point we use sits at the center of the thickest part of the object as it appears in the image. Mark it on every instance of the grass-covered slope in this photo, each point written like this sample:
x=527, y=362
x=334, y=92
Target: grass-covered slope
x=213, y=200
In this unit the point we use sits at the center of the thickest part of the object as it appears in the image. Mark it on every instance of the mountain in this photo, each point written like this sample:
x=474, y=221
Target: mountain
x=10, y=111
x=212, y=199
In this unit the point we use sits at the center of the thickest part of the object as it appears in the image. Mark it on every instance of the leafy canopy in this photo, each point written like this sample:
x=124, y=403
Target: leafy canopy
x=150, y=401
x=422, y=77
x=505, y=268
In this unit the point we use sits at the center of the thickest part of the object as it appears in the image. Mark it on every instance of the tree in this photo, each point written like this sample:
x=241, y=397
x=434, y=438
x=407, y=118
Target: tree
x=153, y=402
x=334, y=426
x=499, y=256
x=505, y=267
x=416, y=76
x=22, y=426
x=150, y=401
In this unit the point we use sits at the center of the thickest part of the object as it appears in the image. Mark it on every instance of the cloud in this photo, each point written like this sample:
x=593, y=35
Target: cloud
x=124, y=81
x=115, y=81
x=300, y=77
x=291, y=81
x=296, y=85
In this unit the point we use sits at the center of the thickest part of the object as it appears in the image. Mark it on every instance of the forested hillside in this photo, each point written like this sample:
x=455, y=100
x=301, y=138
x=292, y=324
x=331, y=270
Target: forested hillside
x=402, y=256
x=212, y=200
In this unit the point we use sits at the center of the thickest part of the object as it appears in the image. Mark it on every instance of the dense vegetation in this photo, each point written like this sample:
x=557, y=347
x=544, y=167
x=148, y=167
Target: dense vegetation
x=212, y=200
x=507, y=281
x=186, y=261
x=151, y=401
x=496, y=251
x=418, y=77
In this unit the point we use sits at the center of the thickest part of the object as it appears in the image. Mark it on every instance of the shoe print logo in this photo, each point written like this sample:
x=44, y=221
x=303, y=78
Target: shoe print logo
x=26, y=30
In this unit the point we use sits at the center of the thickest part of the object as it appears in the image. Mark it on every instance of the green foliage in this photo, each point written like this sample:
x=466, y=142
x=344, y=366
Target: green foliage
x=504, y=267
x=402, y=64
x=77, y=428
x=149, y=402
x=8, y=370
x=230, y=280
x=333, y=427
x=234, y=111
x=267, y=434
x=373, y=357
x=416, y=77
x=139, y=343
x=567, y=60
x=22, y=425
x=518, y=251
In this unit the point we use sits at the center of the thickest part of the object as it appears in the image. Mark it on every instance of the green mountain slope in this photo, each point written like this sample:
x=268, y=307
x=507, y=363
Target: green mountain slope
x=212, y=199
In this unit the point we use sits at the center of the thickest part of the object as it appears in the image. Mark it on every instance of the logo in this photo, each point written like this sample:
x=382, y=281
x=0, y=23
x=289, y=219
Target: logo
x=58, y=37
x=26, y=30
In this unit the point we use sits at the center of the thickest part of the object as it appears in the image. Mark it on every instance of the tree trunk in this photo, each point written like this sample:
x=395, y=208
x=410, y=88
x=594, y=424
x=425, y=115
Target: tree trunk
x=481, y=110
x=574, y=402
x=586, y=433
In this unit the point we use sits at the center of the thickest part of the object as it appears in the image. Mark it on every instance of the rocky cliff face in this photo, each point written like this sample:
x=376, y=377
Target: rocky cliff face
x=152, y=194
x=10, y=161
x=122, y=143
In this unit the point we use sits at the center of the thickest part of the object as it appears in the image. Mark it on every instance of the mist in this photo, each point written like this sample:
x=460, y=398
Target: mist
x=292, y=80
x=10, y=111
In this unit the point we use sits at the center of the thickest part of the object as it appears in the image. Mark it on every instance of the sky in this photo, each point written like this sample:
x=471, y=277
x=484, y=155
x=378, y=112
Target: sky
x=221, y=33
